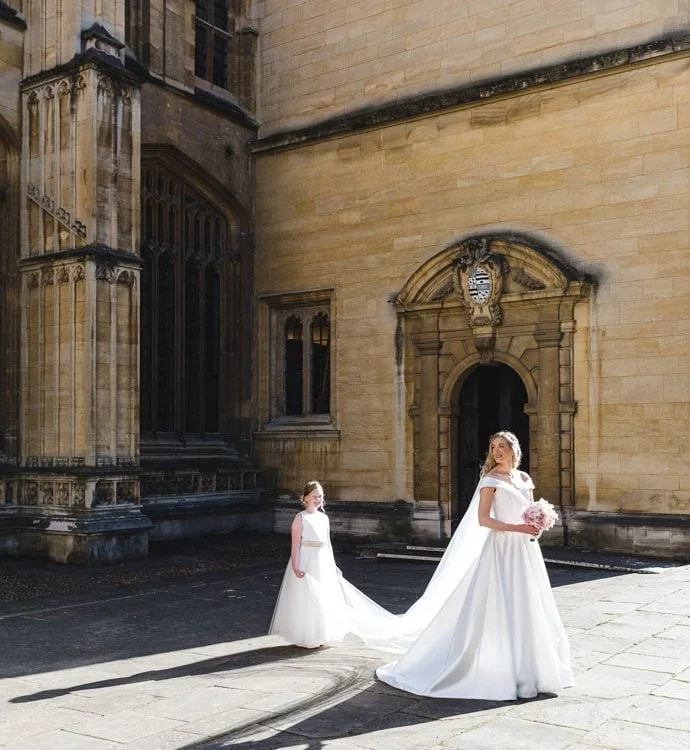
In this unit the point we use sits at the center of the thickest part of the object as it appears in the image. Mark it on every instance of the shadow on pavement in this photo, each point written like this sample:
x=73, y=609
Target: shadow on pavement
x=228, y=663
x=345, y=709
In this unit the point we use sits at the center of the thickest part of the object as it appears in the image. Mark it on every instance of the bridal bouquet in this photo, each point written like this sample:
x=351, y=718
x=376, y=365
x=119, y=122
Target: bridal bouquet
x=540, y=514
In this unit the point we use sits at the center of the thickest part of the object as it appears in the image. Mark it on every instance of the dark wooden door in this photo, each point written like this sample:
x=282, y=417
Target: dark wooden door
x=492, y=399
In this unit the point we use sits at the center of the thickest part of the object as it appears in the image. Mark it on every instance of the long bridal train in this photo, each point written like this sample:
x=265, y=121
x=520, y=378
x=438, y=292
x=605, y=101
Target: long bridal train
x=486, y=627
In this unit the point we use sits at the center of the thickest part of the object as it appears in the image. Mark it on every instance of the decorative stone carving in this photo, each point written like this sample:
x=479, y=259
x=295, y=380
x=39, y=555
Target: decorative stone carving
x=46, y=493
x=47, y=277
x=444, y=291
x=524, y=279
x=105, y=273
x=104, y=493
x=30, y=494
x=63, y=275
x=127, y=278
x=79, y=273
x=127, y=492
x=61, y=215
x=480, y=276
x=80, y=494
x=62, y=494
x=33, y=280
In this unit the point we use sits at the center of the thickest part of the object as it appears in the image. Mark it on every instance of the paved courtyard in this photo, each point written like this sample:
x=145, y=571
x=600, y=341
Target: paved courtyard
x=171, y=653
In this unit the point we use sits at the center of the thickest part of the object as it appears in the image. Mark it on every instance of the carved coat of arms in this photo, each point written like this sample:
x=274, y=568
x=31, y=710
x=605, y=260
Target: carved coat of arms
x=480, y=278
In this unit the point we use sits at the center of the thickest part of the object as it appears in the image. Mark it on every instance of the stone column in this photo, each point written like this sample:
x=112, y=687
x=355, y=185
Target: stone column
x=547, y=420
x=79, y=422
x=427, y=513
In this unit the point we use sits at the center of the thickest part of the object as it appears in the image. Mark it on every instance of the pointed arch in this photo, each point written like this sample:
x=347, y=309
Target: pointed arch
x=194, y=302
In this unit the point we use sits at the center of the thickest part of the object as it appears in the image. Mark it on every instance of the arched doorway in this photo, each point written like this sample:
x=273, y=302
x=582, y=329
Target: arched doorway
x=485, y=320
x=492, y=398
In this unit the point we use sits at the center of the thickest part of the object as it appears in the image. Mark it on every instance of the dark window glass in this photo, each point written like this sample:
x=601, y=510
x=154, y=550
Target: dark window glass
x=212, y=43
x=201, y=51
x=294, y=360
x=212, y=348
x=192, y=350
x=165, y=344
x=184, y=249
x=320, y=364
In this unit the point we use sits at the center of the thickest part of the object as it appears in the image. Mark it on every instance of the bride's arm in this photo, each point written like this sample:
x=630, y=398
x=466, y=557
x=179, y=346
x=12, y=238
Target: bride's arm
x=486, y=500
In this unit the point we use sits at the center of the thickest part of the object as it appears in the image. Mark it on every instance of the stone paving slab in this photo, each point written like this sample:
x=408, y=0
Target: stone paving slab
x=183, y=663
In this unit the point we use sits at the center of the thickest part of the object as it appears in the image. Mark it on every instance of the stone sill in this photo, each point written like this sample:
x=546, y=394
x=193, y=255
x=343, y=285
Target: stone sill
x=185, y=506
x=312, y=426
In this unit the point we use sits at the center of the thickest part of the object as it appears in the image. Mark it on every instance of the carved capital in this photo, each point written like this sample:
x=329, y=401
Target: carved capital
x=548, y=338
x=428, y=347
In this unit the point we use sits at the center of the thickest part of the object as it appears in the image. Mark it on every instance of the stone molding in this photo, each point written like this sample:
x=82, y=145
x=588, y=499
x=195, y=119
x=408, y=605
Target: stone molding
x=465, y=96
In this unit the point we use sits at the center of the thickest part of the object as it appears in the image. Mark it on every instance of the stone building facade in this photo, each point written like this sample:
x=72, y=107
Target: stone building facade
x=492, y=200
x=126, y=274
x=307, y=238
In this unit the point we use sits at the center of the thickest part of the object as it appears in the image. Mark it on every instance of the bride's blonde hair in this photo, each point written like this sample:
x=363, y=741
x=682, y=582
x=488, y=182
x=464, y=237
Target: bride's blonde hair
x=309, y=487
x=513, y=442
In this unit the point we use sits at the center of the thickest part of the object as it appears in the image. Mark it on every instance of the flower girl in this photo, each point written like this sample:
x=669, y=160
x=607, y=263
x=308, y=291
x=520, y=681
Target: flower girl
x=311, y=609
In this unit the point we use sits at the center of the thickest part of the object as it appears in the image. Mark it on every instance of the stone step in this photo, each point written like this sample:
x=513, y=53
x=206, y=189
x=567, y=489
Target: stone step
x=554, y=556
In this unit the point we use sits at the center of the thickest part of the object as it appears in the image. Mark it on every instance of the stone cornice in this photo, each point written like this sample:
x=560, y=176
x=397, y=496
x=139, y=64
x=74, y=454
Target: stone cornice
x=424, y=105
x=10, y=15
x=92, y=58
x=90, y=252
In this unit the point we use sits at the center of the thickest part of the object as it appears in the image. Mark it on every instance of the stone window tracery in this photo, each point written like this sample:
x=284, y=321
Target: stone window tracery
x=298, y=335
x=187, y=259
x=306, y=364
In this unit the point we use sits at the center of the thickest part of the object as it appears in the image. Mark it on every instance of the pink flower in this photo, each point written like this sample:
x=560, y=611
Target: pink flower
x=540, y=514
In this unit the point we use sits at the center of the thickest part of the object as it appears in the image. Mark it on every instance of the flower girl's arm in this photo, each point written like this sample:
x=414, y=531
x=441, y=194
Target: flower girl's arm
x=296, y=537
x=486, y=500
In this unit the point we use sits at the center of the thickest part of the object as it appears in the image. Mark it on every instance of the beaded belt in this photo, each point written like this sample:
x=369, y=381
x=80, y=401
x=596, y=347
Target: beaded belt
x=307, y=543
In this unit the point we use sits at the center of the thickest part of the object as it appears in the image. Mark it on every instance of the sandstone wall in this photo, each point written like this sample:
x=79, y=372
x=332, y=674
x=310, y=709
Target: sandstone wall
x=320, y=58
x=597, y=169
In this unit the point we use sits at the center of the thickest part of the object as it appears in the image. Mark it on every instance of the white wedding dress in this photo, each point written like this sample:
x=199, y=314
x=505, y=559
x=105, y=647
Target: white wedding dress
x=494, y=632
x=311, y=611
x=486, y=626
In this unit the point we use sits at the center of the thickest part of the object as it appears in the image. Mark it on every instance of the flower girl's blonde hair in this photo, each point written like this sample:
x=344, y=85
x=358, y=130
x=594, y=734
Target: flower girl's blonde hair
x=309, y=487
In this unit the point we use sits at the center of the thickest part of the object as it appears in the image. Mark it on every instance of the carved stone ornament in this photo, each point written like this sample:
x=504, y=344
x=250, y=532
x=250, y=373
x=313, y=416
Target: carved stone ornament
x=526, y=280
x=480, y=278
x=105, y=273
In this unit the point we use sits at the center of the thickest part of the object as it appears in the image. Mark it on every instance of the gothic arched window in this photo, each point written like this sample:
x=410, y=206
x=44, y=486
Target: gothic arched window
x=320, y=364
x=294, y=365
x=187, y=274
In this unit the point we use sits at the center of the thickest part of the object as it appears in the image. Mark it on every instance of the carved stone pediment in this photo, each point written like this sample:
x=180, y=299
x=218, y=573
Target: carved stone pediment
x=524, y=268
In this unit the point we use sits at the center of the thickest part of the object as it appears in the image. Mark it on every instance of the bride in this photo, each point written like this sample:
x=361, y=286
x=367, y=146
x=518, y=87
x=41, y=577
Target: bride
x=487, y=626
